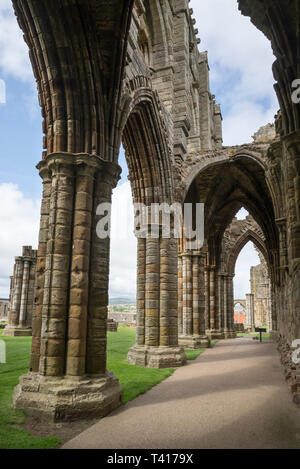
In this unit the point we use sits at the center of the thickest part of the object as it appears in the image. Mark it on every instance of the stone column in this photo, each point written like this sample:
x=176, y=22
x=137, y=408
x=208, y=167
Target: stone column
x=14, y=316
x=31, y=293
x=71, y=380
x=21, y=295
x=207, y=297
x=180, y=294
x=24, y=294
x=193, y=334
x=212, y=305
x=221, y=301
x=58, y=261
x=152, y=293
x=230, y=300
x=40, y=268
x=187, y=286
x=226, y=306
x=250, y=311
x=11, y=291
x=80, y=265
x=141, y=292
x=289, y=312
x=212, y=299
x=105, y=180
x=160, y=348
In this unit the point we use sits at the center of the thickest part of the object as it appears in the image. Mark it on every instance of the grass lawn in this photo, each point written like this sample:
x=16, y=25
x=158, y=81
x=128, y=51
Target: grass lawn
x=12, y=437
x=134, y=381
x=254, y=334
x=193, y=354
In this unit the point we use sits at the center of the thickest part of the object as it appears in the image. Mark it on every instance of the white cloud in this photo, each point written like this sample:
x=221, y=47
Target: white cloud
x=20, y=224
x=19, y=227
x=5, y=5
x=123, y=245
x=242, y=214
x=241, y=59
x=14, y=58
x=248, y=258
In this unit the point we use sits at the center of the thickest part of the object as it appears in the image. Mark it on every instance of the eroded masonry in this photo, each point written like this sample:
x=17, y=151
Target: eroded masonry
x=131, y=71
x=21, y=298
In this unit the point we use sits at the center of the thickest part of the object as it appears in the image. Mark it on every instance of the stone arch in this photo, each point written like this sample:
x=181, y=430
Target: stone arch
x=147, y=150
x=237, y=235
x=240, y=302
x=197, y=163
x=249, y=235
x=78, y=63
x=225, y=183
x=159, y=28
x=79, y=52
x=228, y=180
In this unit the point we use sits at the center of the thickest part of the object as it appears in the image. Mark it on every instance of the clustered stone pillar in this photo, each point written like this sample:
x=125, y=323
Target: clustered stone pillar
x=68, y=377
x=223, y=315
x=192, y=297
x=230, y=308
x=250, y=316
x=290, y=330
x=22, y=294
x=226, y=306
x=212, y=303
x=157, y=309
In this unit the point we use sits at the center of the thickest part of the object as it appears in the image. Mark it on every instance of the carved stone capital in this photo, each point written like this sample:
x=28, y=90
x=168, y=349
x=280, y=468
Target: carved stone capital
x=70, y=163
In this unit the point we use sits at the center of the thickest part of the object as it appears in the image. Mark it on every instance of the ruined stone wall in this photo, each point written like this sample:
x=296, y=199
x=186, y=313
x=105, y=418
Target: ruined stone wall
x=261, y=290
x=163, y=56
x=131, y=71
x=4, y=308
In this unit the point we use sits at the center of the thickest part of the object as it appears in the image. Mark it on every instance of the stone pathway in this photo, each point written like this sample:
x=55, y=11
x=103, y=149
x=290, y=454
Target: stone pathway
x=232, y=396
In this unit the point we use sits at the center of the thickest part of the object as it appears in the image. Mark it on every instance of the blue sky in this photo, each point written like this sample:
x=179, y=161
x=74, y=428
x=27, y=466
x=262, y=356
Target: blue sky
x=240, y=59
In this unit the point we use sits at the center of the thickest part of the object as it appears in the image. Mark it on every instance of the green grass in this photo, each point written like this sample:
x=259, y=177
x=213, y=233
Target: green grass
x=255, y=334
x=134, y=381
x=193, y=354
x=12, y=437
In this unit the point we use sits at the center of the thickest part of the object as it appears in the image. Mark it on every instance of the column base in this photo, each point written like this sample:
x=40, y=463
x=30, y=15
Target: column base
x=56, y=399
x=112, y=325
x=193, y=341
x=15, y=331
x=291, y=369
x=215, y=334
x=274, y=335
x=156, y=357
x=230, y=335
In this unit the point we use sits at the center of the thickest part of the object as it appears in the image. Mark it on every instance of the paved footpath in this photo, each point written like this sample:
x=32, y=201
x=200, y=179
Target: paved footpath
x=232, y=396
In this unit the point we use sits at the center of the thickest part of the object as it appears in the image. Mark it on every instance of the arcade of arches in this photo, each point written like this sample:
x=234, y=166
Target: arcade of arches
x=131, y=71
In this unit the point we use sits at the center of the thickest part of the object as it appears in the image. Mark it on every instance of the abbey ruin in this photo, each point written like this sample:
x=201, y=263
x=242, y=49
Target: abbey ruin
x=131, y=71
x=21, y=298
